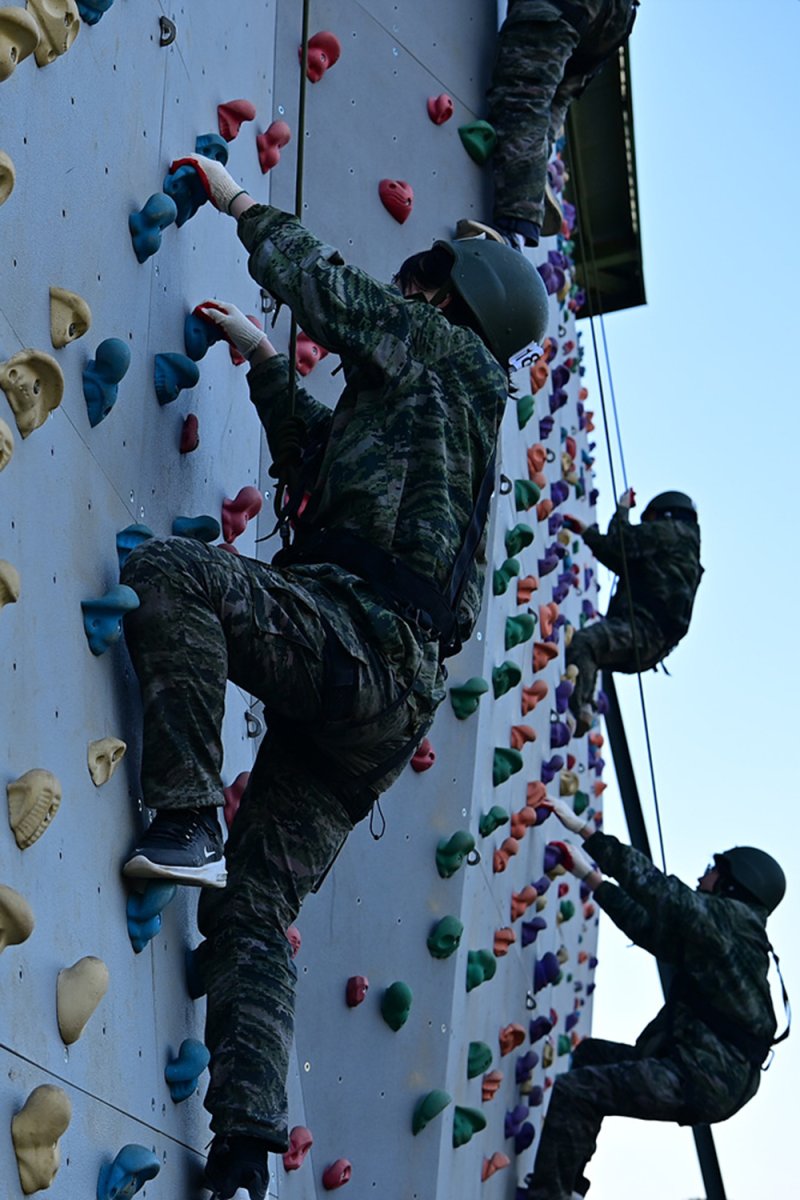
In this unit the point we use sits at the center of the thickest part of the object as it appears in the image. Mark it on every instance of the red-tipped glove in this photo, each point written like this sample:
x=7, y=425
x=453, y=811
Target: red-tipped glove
x=627, y=499
x=566, y=816
x=573, y=524
x=220, y=187
x=574, y=860
x=237, y=329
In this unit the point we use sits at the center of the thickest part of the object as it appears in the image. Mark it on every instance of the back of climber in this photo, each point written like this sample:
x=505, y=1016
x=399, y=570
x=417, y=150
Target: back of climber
x=658, y=564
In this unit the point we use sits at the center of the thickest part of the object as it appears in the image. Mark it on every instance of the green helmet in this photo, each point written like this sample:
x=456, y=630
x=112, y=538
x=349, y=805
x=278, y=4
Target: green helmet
x=755, y=871
x=505, y=292
x=665, y=502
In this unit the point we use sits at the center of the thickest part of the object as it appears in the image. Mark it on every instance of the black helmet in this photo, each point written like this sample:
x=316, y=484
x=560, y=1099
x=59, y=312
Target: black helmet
x=756, y=872
x=505, y=292
x=667, y=504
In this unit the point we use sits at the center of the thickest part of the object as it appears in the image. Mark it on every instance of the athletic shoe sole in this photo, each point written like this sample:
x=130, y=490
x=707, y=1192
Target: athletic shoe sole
x=211, y=874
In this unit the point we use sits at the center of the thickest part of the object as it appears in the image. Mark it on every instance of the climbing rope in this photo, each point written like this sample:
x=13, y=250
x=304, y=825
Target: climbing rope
x=593, y=289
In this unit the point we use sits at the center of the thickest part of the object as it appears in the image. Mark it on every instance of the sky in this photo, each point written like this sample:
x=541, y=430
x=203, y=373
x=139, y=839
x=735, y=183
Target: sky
x=707, y=397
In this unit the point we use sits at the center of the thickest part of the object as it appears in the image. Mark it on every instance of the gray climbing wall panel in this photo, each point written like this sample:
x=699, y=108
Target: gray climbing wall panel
x=91, y=137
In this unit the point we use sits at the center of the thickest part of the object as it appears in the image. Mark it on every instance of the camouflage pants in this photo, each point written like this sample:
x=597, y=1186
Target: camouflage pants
x=535, y=78
x=609, y=644
x=606, y=1079
x=336, y=710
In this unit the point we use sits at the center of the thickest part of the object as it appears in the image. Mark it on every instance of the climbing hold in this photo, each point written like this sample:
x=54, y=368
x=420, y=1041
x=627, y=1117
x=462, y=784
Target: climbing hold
x=492, y=820
x=568, y=784
x=428, y=1107
x=514, y=1118
x=503, y=853
x=451, y=852
x=16, y=918
x=524, y=1066
x=294, y=939
x=9, y=583
x=101, y=377
x=184, y=187
x=503, y=576
x=540, y=1027
x=104, y=756
x=307, y=354
x=563, y=692
x=212, y=146
x=503, y=939
x=444, y=938
x=356, y=990
x=531, y=696
x=531, y=930
x=466, y=697
x=521, y=735
x=200, y=331
x=171, y=374
x=525, y=407
x=130, y=1171
x=559, y=734
x=466, y=1122
x=396, y=1005
x=33, y=801
x=548, y=614
x=539, y=374
x=146, y=226
x=337, y=1174
x=490, y=1084
x=543, y=509
x=19, y=37
x=92, y=10
x=505, y=763
x=479, y=1059
x=525, y=589
x=566, y=911
x=517, y=539
x=505, y=677
x=236, y=513
x=79, y=990
x=481, y=967
x=203, y=528
x=143, y=912
x=129, y=538
x=300, y=1142
x=167, y=33
x=270, y=143
x=424, y=757
x=190, y=435
x=233, y=796
x=526, y=494
x=182, y=1073
x=546, y=971
x=519, y=630
x=58, y=28
x=521, y=901
x=70, y=317
x=564, y=1045
x=231, y=116
x=33, y=383
x=440, y=108
x=478, y=139
x=322, y=53
x=397, y=197
x=498, y=1162
x=571, y=1020
x=8, y=177
x=522, y=821
x=35, y=1131
x=102, y=618
x=543, y=653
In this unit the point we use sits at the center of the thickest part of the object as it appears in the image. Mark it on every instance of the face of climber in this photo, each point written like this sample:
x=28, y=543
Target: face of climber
x=707, y=882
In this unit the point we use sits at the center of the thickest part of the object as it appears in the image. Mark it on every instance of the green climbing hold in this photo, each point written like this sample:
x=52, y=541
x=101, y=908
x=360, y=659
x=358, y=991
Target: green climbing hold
x=564, y=1044
x=478, y=139
x=466, y=697
x=481, y=967
x=506, y=762
x=504, y=678
x=444, y=938
x=479, y=1059
x=493, y=819
x=451, y=852
x=580, y=802
x=466, y=1122
x=517, y=539
x=566, y=910
x=503, y=576
x=396, y=1005
x=519, y=629
x=526, y=494
x=525, y=409
x=429, y=1107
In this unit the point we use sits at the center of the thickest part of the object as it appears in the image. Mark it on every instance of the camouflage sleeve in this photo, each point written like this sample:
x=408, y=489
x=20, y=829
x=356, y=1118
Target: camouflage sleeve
x=630, y=917
x=638, y=541
x=269, y=391
x=341, y=307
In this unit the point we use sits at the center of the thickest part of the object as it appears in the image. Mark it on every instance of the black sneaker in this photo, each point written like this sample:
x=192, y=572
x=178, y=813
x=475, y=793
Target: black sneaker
x=184, y=845
x=235, y=1162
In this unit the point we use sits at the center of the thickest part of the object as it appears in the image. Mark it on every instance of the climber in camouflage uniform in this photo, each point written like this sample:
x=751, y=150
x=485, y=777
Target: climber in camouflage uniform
x=659, y=562
x=699, y=1060
x=342, y=637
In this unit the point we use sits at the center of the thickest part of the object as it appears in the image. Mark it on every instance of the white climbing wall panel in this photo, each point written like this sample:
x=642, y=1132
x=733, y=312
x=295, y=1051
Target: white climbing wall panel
x=91, y=136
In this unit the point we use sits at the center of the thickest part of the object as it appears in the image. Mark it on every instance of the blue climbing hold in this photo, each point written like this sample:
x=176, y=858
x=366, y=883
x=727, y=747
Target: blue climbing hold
x=129, y=538
x=203, y=529
x=146, y=225
x=92, y=10
x=144, y=911
x=198, y=334
x=130, y=1171
x=102, y=618
x=101, y=377
x=182, y=1073
x=172, y=373
x=184, y=187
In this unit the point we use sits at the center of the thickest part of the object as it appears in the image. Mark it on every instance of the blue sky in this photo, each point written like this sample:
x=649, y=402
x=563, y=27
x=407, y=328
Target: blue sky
x=707, y=395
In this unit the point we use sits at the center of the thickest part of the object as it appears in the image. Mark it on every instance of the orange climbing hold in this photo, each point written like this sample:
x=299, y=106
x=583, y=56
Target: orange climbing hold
x=522, y=821
x=598, y=787
x=498, y=1162
x=537, y=793
x=532, y=695
x=543, y=509
x=540, y=373
x=397, y=197
x=548, y=615
x=521, y=735
x=490, y=1084
x=543, y=653
x=233, y=796
x=525, y=588
x=537, y=457
x=231, y=116
x=521, y=901
x=503, y=938
x=500, y=858
x=511, y=1036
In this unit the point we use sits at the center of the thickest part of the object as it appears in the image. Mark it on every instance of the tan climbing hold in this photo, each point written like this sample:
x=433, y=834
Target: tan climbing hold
x=59, y=22
x=19, y=37
x=79, y=990
x=16, y=918
x=35, y=1130
x=9, y=583
x=8, y=176
x=6, y=444
x=104, y=757
x=70, y=316
x=34, y=385
x=33, y=801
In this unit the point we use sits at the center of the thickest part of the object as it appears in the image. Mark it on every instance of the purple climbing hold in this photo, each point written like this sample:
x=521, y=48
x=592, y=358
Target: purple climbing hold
x=601, y=703
x=542, y=884
x=560, y=593
x=548, y=563
x=532, y=929
x=560, y=376
x=559, y=734
x=523, y=1138
x=559, y=491
x=593, y=494
x=563, y=693
x=554, y=523
x=535, y=1096
x=546, y=971
x=557, y=399
x=550, y=769
x=552, y=277
x=546, y=428
x=524, y=1066
x=590, y=988
x=552, y=857
x=513, y=1119
x=539, y=1028
x=571, y=1020
x=592, y=963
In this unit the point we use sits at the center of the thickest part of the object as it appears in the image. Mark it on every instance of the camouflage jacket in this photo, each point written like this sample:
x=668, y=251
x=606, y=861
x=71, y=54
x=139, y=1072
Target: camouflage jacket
x=718, y=946
x=405, y=450
x=663, y=565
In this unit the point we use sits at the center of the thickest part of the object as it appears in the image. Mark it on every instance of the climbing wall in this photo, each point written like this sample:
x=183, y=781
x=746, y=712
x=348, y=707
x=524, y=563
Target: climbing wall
x=445, y=970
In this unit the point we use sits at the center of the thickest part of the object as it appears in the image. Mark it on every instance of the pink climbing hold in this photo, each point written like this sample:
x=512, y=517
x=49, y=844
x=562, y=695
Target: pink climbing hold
x=440, y=108
x=233, y=796
x=500, y=858
x=308, y=353
x=424, y=756
x=270, y=143
x=337, y=1174
x=490, y=1084
x=397, y=197
x=531, y=696
x=190, y=434
x=498, y=1162
x=294, y=939
x=236, y=513
x=324, y=49
x=232, y=115
x=357, y=988
x=300, y=1142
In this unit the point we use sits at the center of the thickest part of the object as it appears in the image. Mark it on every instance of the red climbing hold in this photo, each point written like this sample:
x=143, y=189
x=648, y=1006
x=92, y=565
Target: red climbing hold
x=232, y=115
x=324, y=49
x=397, y=197
x=356, y=992
x=498, y=1162
x=236, y=513
x=233, y=796
x=424, y=756
x=270, y=143
x=190, y=434
x=337, y=1174
x=300, y=1142
x=307, y=353
x=440, y=108
x=539, y=373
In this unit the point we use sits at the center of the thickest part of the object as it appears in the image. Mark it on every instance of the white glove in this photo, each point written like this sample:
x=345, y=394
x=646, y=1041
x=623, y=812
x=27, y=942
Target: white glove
x=221, y=188
x=566, y=816
x=238, y=329
x=627, y=499
x=575, y=860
